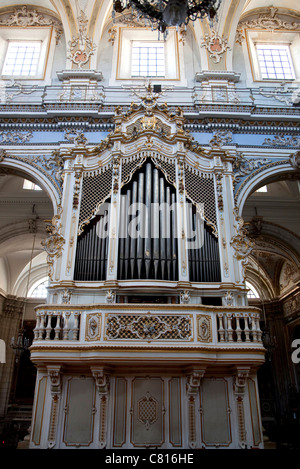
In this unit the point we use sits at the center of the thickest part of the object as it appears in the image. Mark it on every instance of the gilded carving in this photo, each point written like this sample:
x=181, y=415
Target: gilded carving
x=55, y=242
x=243, y=166
x=148, y=327
x=93, y=327
x=204, y=328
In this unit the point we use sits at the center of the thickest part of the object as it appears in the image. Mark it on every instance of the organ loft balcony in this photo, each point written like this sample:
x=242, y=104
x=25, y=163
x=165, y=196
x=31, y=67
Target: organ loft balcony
x=147, y=334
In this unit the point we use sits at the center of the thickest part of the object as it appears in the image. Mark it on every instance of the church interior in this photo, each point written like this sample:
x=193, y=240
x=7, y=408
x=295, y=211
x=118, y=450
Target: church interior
x=150, y=224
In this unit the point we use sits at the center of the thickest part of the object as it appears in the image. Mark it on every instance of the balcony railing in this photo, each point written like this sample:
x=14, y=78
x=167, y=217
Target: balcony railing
x=119, y=324
x=55, y=97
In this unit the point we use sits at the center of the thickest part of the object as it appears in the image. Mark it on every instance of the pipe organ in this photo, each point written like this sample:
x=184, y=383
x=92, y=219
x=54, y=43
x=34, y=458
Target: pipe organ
x=92, y=250
x=204, y=259
x=148, y=249
x=148, y=235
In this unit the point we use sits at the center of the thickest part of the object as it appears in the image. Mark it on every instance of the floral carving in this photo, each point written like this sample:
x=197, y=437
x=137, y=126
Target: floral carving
x=54, y=243
x=81, y=48
x=15, y=137
x=24, y=17
x=204, y=328
x=93, y=324
x=243, y=166
x=295, y=160
x=269, y=21
x=283, y=93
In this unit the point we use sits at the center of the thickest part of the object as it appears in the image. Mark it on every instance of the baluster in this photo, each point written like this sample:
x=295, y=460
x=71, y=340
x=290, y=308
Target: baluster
x=37, y=326
x=229, y=327
x=238, y=328
x=48, y=328
x=75, y=328
x=221, y=329
x=258, y=329
x=247, y=330
x=58, y=326
x=42, y=326
x=254, y=331
x=66, y=326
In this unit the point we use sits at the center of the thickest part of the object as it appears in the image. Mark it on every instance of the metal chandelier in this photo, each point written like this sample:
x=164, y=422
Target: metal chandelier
x=163, y=13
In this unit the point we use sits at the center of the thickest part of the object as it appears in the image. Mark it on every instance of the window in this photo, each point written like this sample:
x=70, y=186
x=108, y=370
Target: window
x=39, y=290
x=252, y=293
x=275, y=62
x=148, y=59
x=273, y=55
x=22, y=58
x=262, y=189
x=140, y=55
x=30, y=186
x=26, y=53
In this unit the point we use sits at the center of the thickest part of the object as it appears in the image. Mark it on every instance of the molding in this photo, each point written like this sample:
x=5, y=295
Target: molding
x=79, y=75
x=206, y=75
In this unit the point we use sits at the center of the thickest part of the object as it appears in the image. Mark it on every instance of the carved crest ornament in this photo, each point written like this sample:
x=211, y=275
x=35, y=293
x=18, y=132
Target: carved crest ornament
x=25, y=17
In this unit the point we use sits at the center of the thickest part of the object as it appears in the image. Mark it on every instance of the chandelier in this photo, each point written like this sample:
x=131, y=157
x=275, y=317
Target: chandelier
x=163, y=13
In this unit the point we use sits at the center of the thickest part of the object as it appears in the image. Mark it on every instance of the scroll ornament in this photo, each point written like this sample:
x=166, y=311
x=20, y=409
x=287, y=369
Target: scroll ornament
x=243, y=166
x=215, y=45
x=242, y=245
x=54, y=243
x=295, y=160
x=24, y=17
x=81, y=48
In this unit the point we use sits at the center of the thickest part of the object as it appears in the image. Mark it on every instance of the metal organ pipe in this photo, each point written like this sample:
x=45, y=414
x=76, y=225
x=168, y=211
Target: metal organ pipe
x=152, y=251
x=148, y=238
x=204, y=261
x=91, y=251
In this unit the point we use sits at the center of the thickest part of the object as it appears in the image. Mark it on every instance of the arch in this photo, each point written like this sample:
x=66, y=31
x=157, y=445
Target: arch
x=35, y=174
x=38, y=272
x=262, y=176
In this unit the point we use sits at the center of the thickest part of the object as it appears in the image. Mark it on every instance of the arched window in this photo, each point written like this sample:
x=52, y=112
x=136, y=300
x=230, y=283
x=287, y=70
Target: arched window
x=252, y=293
x=39, y=289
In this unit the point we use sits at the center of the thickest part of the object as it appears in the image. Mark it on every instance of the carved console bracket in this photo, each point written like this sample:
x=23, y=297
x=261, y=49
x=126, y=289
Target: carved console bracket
x=54, y=374
x=103, y=386
x=192, y=389
x=239, y=386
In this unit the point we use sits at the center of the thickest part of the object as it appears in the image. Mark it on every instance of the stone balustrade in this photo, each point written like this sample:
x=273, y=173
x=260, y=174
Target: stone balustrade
x=150, y=324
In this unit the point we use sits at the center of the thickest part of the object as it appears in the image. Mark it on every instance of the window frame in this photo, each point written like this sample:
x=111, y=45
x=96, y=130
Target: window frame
x=155, y=45
x=128, y=35
x=256, y=37
x=33, y=34
x=274, y=47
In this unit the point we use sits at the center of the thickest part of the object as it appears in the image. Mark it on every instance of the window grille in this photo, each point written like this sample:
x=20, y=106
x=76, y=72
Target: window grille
x=22, y=58
x=275, y=62
x=148, y=59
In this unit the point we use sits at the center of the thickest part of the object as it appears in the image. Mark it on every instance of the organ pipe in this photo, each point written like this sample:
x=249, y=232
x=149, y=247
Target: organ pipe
x=148, y=238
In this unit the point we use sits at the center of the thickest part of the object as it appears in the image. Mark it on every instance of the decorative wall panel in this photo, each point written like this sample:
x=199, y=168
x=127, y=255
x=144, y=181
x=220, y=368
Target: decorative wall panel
x=148, y=327
x=119, y=434
x=147, y=412
x=175, y=422
x=254, y=412
x=79, y=412
x=39, y=412
x=215, y=412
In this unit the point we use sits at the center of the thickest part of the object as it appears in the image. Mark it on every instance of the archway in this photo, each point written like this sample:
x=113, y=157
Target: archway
x=25, y=207
x=272, y=218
